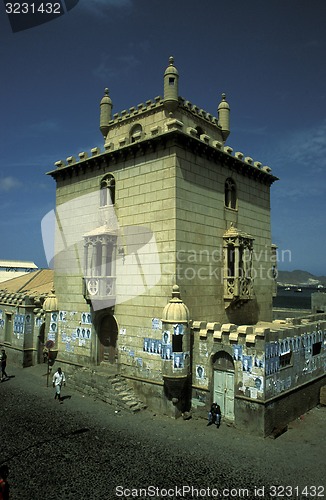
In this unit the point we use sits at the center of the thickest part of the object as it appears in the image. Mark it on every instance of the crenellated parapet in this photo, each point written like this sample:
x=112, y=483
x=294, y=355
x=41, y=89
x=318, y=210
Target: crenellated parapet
x=230, y=333
x=132, y=140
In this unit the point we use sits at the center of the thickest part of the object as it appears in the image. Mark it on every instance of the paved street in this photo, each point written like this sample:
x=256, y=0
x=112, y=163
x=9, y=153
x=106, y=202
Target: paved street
x=83, y=449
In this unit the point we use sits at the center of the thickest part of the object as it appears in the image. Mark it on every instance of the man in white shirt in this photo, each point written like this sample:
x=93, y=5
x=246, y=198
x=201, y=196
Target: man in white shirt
x=58, y=380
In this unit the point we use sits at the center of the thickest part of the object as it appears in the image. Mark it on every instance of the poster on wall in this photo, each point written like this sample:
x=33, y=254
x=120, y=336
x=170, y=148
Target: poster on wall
x=54, y=317
x=237, y=352
x=146, y=345
x=166, y=337
x=86, y=318
x=200, y=372
x=246, y=363
x=178, y=361
x=28, y=323
x=83, y=333
x=159, y=347
x=259, y=383
x=19, y=322
x=167, y=352
x=62, y=315
x=152, y=346
x=156, y=324
x=53, y=327
x=284, y=346
x=178, y=329
x=259, y=362
x=38, y=322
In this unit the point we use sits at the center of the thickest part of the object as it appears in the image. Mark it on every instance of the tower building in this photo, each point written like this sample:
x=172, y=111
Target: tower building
x=168, y=207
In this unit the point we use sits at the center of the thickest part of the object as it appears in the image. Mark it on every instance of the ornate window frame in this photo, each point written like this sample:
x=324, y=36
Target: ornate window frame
x=238, y=253
x=99, y=265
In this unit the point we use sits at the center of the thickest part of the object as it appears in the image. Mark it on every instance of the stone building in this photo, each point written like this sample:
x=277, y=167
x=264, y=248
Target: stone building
x=25, y=316
x=165, y=269
x=318, y=302
x=13, y=268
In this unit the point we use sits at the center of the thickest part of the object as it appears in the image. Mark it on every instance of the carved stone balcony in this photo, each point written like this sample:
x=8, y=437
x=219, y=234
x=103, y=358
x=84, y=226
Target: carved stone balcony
x=99, y=288
x=238, y=288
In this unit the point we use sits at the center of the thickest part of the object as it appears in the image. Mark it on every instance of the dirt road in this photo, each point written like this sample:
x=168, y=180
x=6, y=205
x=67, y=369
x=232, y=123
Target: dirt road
x=85, y=449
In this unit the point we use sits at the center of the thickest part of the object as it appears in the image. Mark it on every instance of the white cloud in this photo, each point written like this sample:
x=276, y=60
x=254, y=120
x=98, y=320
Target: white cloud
x=9, y=183
x=306, y=147
x=44, y=126
x=108, y=68
x=299, y=159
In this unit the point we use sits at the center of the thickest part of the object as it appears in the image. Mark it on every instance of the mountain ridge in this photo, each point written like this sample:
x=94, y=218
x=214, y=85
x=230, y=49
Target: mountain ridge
x=300, y=277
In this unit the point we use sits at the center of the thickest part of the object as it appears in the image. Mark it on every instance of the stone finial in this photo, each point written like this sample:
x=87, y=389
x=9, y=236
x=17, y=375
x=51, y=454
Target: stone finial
x=105, y=112
x=223, y=112
x=175, y=311
x=51, y=302
x=171, y=87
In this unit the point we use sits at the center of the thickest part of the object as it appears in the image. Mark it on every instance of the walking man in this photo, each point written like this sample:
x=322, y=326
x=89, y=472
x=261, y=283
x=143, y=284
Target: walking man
x=3, y=365
x=58, y=380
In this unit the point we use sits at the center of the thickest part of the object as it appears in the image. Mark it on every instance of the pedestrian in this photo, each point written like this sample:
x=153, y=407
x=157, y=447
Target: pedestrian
x=3, y=365
x=58, y=380
x=214, y=415
x=4, y=485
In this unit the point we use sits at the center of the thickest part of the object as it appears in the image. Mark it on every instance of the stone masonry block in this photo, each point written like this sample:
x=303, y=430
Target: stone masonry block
x=228, y=328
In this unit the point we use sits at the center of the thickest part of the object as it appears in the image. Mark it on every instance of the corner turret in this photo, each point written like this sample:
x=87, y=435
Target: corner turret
x=105, y=113
x=176, y=361
x=223, y=112
x=171, y=87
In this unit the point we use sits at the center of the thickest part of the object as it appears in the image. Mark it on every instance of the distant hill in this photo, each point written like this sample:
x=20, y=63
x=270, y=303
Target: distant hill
x=299, y=277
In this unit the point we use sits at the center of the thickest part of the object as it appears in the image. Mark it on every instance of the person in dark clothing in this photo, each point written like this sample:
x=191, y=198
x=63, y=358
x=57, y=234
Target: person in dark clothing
x=3, y=365
x=4, y=486
x=214, y=415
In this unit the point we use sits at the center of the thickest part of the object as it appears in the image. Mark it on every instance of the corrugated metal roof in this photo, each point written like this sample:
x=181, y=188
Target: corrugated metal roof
x=18, y=264
x=36, y=282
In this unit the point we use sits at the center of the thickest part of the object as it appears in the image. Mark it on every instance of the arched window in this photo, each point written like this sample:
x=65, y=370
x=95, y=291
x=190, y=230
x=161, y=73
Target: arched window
x=136, y=133
x=107, y=194
x=230, y=193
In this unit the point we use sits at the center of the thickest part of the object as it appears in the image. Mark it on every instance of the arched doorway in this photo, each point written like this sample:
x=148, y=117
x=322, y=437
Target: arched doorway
x=108, y=335
x=223, y=383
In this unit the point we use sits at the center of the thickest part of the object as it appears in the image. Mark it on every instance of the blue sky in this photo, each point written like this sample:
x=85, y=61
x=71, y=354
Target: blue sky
x=268, y=57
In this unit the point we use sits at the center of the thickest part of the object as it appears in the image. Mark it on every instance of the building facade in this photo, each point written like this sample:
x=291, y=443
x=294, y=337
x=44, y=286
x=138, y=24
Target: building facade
x=168, y=208
x=13, y=268
x=25, y=316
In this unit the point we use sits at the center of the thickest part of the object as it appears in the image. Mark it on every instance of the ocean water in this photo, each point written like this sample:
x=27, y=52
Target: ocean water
x=290, y=299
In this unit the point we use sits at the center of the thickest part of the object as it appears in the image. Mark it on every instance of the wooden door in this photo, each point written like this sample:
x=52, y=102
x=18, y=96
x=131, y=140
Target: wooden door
x=224, y=393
